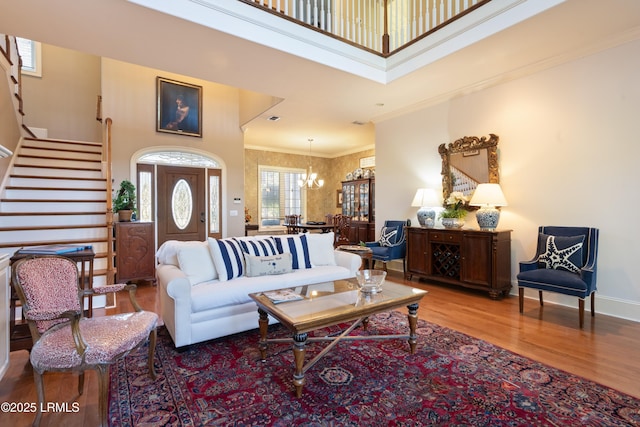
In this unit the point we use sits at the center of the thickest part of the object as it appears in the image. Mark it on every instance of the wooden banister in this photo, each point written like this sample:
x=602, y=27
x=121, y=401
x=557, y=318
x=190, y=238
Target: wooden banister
x=109, y=214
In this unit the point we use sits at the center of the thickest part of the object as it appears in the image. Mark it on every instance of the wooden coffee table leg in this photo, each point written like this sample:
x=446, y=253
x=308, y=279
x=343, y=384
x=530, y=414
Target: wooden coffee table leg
x=299, y=341
x=263, y=322
x=413, y=323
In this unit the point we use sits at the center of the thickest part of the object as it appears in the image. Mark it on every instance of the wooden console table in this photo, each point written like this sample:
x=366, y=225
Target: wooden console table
x=471, y=258
x=20, y=337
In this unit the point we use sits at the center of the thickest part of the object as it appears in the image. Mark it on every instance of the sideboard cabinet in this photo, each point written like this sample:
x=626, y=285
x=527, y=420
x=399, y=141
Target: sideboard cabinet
x=135, y=251
x=470, y=258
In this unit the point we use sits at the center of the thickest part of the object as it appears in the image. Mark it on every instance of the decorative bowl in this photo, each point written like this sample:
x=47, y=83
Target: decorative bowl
x=370, y=281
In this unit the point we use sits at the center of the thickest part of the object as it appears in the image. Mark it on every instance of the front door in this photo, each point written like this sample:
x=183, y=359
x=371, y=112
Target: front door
x=181, y=204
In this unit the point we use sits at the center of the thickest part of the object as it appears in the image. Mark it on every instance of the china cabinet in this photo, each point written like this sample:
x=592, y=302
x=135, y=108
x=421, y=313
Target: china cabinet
x=358, y=202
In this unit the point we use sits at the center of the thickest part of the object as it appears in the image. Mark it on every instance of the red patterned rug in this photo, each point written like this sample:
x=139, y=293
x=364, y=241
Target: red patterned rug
x=452, y=380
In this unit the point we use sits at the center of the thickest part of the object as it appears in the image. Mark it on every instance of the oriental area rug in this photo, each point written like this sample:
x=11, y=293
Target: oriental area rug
x=452, y=380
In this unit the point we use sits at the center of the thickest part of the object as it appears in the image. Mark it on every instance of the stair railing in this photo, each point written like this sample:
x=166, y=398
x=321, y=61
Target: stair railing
x=110, y=276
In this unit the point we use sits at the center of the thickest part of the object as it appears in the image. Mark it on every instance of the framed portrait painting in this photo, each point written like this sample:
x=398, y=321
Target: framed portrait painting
x=179, y=107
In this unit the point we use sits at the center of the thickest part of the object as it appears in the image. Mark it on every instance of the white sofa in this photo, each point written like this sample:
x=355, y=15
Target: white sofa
x=203, y=295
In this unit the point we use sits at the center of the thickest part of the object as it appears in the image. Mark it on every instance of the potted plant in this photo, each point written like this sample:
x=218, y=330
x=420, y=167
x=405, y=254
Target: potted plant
x=454, y=210
x=125, y=201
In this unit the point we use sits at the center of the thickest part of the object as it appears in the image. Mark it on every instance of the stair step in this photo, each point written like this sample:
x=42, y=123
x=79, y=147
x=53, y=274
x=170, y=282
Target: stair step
x=60, y=163
x=47, y=153
x=46, y=142
x=93, y=242
x=51, y=227
x=57, y=181
x=14, y=206
x=53, y=234
x=63, y=195
x=61, y=148
x=49, y=171
x=55, y=219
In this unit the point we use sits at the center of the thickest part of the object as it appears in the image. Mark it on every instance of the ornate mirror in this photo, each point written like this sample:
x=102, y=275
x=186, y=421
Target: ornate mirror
x=467, y=162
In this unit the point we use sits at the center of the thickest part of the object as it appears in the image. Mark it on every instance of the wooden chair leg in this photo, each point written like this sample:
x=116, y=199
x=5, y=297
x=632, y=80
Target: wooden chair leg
x=581, y=311
x=103, y=393
x=152, y=351
x=593, y=304
x=540, y=297
x=37, y=377
x=81, y=383
x=521, y=299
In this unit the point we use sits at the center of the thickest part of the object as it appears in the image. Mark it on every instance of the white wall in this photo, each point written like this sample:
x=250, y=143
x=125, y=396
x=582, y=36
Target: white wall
x=568, y=155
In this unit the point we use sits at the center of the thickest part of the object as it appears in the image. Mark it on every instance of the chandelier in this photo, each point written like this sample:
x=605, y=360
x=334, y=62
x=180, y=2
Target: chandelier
x=310, y=179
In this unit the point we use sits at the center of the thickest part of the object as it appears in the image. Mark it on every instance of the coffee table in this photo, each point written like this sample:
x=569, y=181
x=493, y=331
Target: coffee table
x=329, y=304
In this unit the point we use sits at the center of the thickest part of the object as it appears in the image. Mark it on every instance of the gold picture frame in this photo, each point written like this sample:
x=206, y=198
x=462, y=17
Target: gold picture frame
x=179, y=107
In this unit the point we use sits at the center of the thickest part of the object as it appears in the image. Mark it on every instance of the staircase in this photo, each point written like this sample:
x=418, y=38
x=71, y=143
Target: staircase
x=56, y=193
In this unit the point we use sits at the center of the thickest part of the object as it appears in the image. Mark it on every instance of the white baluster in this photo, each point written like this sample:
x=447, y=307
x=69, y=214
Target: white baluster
x=329, y=17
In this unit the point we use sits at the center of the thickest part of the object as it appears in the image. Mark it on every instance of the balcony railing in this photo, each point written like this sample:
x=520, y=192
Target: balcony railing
x=381, y=26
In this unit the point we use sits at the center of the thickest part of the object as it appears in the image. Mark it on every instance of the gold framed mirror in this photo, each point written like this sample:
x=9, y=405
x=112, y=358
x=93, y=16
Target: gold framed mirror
x=467, y=162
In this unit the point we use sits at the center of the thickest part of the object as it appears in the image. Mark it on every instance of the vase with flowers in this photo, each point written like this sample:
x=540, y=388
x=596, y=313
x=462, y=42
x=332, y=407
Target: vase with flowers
x=454, y=210
x=247, y=216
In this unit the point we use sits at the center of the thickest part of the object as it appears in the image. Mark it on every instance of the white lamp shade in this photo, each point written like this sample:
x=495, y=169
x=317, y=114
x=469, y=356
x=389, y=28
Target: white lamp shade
x=425, y=197
x=488, y=195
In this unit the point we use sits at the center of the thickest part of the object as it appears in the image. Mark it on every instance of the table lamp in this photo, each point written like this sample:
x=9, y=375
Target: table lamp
x=488, y=197
x=425, y=199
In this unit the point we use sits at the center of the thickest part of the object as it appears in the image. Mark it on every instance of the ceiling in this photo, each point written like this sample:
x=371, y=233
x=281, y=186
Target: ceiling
x=319, y=91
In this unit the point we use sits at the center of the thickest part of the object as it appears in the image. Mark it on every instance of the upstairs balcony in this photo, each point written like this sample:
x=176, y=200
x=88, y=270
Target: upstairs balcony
x=382, y=27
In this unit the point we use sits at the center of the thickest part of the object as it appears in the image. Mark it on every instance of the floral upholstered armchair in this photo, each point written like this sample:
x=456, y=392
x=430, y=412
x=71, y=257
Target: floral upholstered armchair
x=63, y=339
x=392, y=244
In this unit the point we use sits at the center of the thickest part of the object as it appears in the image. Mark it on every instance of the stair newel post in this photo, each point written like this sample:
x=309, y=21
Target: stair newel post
x=110, y=255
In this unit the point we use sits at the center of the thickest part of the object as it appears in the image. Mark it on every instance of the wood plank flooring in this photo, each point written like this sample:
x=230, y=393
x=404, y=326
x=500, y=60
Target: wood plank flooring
x=606, y=351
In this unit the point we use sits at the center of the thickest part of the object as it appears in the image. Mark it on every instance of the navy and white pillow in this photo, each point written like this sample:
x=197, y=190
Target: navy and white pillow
x=298, y=246
x=227, y=257
x=259, y=247
x=561, y=252
x=391, y=236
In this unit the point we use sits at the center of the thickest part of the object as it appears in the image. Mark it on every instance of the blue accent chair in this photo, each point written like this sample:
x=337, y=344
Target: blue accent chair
x=392, y=244
x=562, y=265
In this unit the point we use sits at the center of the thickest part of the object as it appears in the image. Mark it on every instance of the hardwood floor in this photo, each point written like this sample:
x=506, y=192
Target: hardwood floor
x=606, y=351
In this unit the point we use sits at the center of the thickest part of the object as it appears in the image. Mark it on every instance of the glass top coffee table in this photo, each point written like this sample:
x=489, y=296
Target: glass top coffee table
x=328, y=304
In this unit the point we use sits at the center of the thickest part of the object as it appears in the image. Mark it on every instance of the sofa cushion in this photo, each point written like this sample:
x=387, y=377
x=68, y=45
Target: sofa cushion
x=561, y=252
x=298, y=246
x=168, y=252
x=267, y=265
x=321, y=248
x=259, y=247
x=212, y=295
x=227, y=258
x=195, y=261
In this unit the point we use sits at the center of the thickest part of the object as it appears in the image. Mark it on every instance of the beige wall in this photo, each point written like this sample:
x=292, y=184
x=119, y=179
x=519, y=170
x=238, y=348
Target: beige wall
x=320, y=202
x=64, y=99
x=9, y=129
x=568, y=155
x=129, y=98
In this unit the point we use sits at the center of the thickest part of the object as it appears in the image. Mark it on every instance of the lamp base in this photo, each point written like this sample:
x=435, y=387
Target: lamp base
x=426, y=217
x=488, y=218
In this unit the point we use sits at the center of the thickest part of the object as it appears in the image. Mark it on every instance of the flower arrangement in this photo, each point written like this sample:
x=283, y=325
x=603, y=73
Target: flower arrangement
x=455, y=206
x=247, y=216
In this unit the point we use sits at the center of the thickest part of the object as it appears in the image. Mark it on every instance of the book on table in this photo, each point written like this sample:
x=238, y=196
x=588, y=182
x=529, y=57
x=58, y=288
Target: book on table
x=54, y=249
x=283, y=295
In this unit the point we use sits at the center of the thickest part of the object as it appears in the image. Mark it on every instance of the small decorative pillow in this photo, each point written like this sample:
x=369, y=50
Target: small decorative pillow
x=195, y=261
x=390, y=236
x=259, y=247
x=321, y=249
x=298, y=247
x=561, y=252
x=268, y=265
x=227, y=257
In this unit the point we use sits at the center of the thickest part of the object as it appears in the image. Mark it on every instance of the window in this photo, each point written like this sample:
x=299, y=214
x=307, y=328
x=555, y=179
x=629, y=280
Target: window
x=31, y=55
x=279, y=195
